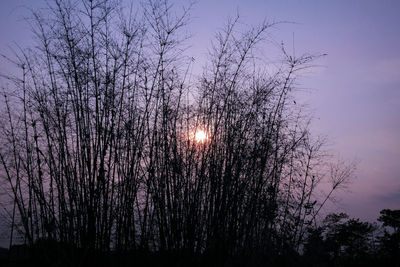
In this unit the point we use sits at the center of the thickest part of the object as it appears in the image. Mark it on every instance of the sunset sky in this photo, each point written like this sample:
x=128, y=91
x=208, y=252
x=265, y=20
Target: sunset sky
x=354, y=92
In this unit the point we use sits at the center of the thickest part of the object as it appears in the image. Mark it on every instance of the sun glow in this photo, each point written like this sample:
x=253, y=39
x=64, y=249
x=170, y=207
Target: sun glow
x=200, y=136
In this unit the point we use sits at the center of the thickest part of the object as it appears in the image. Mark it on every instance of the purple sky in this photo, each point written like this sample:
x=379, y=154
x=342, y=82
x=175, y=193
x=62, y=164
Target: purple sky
x=355, y=94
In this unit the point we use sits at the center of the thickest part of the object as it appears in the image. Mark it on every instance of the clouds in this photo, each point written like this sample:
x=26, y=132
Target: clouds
x=391, y=198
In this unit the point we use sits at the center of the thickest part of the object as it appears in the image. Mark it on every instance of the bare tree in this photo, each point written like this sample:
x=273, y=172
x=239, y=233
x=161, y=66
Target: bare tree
x=103, y=150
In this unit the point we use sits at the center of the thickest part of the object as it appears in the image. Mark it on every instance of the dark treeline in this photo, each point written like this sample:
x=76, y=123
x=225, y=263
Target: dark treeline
x=341, y=241
x=109, y=149
x=336, y=241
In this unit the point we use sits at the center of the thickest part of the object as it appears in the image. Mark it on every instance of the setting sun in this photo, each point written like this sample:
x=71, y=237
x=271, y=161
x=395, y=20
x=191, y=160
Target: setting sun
x=200, y=136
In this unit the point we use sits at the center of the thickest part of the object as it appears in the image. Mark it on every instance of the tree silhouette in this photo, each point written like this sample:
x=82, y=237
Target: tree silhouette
x=390, y=241
x=99, y=148
x=390, y=218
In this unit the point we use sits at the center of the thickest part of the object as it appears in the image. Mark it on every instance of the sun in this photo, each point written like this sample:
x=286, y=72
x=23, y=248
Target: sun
x=200, y=136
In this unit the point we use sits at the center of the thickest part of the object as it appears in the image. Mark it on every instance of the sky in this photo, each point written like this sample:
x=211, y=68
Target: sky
x=354, y=92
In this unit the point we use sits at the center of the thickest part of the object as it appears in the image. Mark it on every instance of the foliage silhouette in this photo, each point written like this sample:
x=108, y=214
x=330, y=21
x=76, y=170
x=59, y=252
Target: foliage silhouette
x=100, y=159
